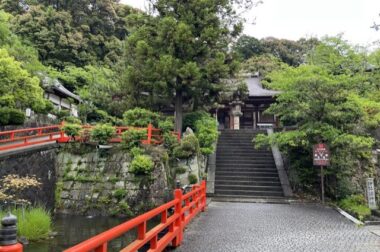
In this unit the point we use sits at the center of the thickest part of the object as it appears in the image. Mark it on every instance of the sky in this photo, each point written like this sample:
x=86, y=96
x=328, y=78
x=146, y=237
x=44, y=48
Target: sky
x=293, y=19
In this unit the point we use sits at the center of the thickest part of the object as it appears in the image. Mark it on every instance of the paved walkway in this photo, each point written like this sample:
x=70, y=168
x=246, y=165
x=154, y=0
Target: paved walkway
x=250, y=227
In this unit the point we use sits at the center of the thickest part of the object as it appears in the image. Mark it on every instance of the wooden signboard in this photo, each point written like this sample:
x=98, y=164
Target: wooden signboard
x=321, y=158
x=321, y=155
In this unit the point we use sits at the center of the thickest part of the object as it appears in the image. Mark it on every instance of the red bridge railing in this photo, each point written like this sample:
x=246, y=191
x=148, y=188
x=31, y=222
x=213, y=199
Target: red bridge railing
x=186, y=207
x=15, y=139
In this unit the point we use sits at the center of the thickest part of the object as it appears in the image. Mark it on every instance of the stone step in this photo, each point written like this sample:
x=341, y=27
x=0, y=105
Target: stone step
x=246, y=169
x=248, y=193
x=237, y=167
x=247, y=182
x=238, y=177
x=249, y=188
x=246, y=159
x=221, y=154
x=238, y=161
x=246, y=173
x=241, y=150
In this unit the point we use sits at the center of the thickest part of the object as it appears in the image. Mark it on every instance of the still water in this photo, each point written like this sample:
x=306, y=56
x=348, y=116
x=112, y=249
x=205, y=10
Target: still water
x=74, y=229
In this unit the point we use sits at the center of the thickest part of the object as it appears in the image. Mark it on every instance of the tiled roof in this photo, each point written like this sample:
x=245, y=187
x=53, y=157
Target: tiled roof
x=256, y=89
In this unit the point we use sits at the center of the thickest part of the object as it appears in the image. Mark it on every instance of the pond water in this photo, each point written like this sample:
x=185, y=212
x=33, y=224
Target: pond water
x=75, y=229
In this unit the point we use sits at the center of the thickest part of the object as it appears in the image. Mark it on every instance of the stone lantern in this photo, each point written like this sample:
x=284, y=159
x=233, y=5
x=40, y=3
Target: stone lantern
x=235, y=113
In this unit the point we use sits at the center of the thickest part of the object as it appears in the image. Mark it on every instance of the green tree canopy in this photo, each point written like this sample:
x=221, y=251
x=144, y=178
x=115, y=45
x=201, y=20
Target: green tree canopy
x=329, y=100
x=184, y=48
x=18, y=88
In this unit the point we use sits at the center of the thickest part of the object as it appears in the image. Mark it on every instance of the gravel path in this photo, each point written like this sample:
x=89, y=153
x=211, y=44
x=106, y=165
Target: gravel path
x=240, y=227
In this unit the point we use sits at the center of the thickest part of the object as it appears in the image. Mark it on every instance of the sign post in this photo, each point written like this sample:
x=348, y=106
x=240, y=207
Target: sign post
x=321, y=157
x=371, y=197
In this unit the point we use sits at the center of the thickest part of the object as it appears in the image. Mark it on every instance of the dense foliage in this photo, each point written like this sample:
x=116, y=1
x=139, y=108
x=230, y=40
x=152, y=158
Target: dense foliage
x=332, y=100
x=102, y=133
x=142, y=165
x=181, y=50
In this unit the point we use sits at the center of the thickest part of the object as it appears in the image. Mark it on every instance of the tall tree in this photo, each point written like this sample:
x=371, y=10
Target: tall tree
x=189, y=41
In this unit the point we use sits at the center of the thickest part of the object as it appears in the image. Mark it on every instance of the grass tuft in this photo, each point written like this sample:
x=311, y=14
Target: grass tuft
x=35, y=224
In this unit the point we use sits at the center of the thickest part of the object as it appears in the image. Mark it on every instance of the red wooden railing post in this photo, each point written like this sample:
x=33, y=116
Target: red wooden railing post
x=102, y=248
x=149, y=133
x=12, y=248
x=178, y=223
x=204, y=199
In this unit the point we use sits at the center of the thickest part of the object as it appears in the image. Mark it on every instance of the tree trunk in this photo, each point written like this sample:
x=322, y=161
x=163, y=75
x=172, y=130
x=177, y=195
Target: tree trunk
x=178, y=110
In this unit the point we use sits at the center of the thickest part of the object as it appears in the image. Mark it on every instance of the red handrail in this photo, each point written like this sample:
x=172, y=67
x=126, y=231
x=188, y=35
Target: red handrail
x=14, y=139
x=186, y=207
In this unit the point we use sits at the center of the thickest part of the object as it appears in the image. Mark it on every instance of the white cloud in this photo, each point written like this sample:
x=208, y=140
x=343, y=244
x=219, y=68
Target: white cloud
x=293, y=19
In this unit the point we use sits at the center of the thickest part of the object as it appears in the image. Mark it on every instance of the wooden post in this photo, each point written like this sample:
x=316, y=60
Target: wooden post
x=102, y=248
x=204, y=201
x=322, y=186
x=178, y=222
x=150, y=127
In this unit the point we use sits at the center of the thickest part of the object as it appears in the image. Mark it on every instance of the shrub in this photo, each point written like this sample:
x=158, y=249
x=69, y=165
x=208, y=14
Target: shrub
x=72, y=120
x=180, y=170
x=102, y=133
x=61, y=114
x=4, y=116
x=193, y=179
x=356, y=205
x=136, y=151
x=206, y=131
x=166, y=125
x=35, y=224
x=140, y=117
x=119, y=194
x=97, y=115
x=170, y=141
x=141, y=165
x=189, y=147
x=205, y=128
x=132, y=138
x=190, y=119
x=71, y=130
x=16, y=117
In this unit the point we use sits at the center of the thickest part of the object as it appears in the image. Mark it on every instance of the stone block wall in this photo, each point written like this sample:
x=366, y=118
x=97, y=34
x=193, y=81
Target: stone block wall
x=39, y=162
x=98, y=182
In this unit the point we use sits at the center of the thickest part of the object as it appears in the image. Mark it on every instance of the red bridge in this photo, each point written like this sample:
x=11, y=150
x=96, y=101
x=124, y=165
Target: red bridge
x=22, y=138
x=186, y=207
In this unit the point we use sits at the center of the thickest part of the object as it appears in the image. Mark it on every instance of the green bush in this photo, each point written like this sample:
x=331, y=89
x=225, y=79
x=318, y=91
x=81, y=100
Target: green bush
x=206, y=130
x=72, y=120
x=98, y=115
x=180, y=170
x=166, y=125
x=4, y=116
x=141, y=165
x=132, y=138
x=61, y=114
x=193, y=179
x=102, y=133
x=72, y=130
x=170, y=141
x=356, y=205
x=139, y=117
x=16, y=117
x=136, y=151
x=35, y=224
x=189, y=147
x=119, y=194
x=190, y=119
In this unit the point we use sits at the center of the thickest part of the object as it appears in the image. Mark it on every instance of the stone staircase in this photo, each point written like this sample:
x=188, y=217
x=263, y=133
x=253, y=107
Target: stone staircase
x=242, y=171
